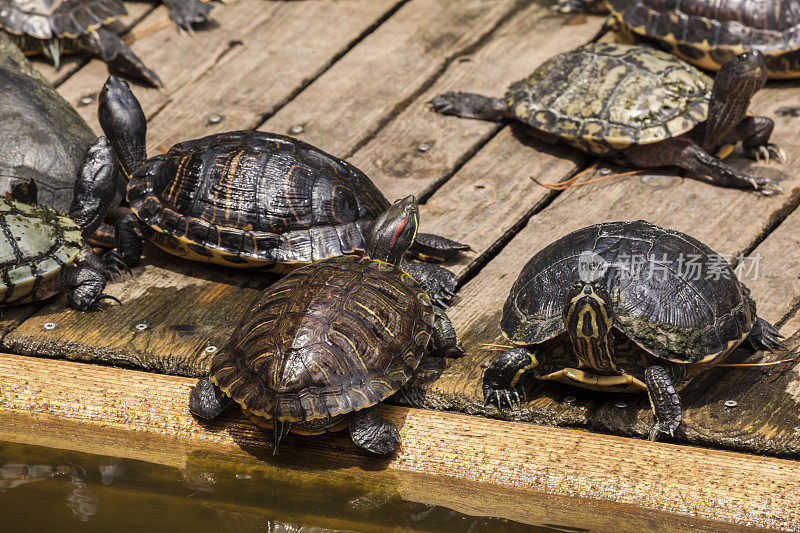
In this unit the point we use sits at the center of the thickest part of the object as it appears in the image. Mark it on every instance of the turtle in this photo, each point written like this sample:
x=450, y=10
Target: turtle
x=43, y=251
x=247, y=198
x=50, y=27
x=624, y=307
x=639, y=107
x=709, y=33
x=320, y=348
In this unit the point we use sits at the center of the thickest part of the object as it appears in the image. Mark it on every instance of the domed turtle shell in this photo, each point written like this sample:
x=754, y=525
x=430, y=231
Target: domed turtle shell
x=671, y=294
x=605, y=97
x=35, y=244
x=251, y=198
x=46, y=19
x=331, y=338
x=709, y=33
x=43, y=136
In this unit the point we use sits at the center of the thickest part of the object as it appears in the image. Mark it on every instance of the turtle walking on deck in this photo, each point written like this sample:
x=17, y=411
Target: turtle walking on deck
x=320, y=348
x=51, y=27
x=639, y=107
x=248, y=199
x=609, y=307
x=43, y=252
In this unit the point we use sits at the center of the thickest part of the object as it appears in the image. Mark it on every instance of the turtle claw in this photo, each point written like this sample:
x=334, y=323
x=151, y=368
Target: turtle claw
x=766, y=186
x=115, y=265
x=662, y=428
x=186, y=13
x=766, y=152
x=500, y=397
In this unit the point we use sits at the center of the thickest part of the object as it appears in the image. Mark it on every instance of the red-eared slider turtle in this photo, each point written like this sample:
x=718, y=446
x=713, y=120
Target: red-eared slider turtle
x=53, y=26
x=624, y=307
x=245, y=198
x=639, y=107
x=43, y=252
x=709, y=33
x=320, y=348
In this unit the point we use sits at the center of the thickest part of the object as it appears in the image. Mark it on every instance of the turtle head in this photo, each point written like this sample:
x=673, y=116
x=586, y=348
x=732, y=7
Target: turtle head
x=741, y=77
x=393, y=232
x=123, y=122
x=95, y=187
x=588, y=311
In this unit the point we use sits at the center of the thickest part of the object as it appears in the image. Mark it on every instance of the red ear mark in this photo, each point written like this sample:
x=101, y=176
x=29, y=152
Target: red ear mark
x=398, y=230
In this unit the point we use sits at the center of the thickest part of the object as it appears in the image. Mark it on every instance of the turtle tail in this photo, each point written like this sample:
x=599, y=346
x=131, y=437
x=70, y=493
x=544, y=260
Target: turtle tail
x=124, y=123
x=280, y=428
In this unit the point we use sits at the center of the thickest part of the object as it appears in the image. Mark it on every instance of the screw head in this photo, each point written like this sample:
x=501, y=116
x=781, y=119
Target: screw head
x=620, y=405
x=210, y=349
x=297, y=129
x=141, y=327
x=569, y=399
x=49, y=325
x=424, y=147
x=731, y=403
x=214, y=119
x=86, y=100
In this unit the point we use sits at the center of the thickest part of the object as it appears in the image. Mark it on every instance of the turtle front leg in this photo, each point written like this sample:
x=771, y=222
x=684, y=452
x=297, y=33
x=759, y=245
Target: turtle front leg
x=754, y=132
x=435, y=249
x=114, y=52
x=130, y=239
x=682, y=152
x=764, y=336
x=84, y=287
x=469, y=105
x=503, y=380
x=665, y=402
x=438, y=282
x=206, y=400
x=185, y=13
x=444, y=339
x=369, y=430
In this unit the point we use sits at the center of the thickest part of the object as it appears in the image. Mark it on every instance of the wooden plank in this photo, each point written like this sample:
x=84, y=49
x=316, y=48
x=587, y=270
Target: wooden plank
x=681, y=480
x=739, y=222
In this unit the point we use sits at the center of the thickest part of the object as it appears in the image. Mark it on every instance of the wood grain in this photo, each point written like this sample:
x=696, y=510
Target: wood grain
x=150, y=408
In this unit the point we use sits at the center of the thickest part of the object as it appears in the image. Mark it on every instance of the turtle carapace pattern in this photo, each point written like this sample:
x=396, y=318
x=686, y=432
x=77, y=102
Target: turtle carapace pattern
x=615, y=307
x=248, y=199
x=639, y=107
x=320, y=348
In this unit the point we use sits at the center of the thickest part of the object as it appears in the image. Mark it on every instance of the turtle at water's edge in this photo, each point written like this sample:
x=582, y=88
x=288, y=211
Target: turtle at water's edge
x=248, y=199
x=609, y=307
x=639, y=107
x=320, y=348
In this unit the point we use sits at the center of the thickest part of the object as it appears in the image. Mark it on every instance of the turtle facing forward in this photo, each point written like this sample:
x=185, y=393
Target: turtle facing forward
x=639, y=107
x=320, y=348
x=614, y=307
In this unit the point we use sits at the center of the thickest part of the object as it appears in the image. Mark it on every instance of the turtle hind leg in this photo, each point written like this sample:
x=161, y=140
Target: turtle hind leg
x=84, y=287
x=130, y=239
x=684, y=153
x=469, y=105
x=665, y=402
x=206, y=400
x=444, y=339
x=504, y=379
x=764, y=336
x=185, y=13
x=114, y=52
x=438, y=282
x=370, y=431
x=435, y=249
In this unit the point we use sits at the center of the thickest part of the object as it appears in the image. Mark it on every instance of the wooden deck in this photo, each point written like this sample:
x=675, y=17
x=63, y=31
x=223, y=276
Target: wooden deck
x=354, y=76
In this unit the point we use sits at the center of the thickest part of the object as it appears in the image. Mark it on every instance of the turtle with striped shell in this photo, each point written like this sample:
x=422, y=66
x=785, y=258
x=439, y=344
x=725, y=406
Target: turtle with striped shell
x=624, y=307
x=43, y=252
x=248, y=199
x=639, y=107
x=319, y=349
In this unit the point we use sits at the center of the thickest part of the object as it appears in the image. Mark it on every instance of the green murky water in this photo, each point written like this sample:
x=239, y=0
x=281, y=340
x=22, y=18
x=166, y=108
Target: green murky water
x=46, y=490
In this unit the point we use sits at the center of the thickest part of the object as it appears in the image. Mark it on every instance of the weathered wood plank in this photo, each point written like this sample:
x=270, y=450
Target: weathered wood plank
x=664, y=200
x=677, y=479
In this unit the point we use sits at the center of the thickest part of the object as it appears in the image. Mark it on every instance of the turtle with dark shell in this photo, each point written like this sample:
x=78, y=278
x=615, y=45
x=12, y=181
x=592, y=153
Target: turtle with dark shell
x=43, y=252
x=709, y=33
x=639, y=107
x=51, y=27
x=618, y=307
x=248, y=199
x=319, y=349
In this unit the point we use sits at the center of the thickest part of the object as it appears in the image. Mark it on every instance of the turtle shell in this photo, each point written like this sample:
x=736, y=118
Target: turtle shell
x=605, y=97
x=35, y=244
x=252, y=198
x=709, y=33
x=331, y=338
x=671, y=294
x=46, y=19
x=43, y=136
